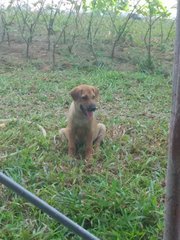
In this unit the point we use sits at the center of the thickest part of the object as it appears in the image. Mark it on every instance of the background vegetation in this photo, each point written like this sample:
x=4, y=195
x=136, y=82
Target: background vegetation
x=112, y=34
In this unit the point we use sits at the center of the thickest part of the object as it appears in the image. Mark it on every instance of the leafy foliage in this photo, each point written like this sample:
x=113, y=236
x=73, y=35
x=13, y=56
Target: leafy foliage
x=103, y=6
x=154, y=8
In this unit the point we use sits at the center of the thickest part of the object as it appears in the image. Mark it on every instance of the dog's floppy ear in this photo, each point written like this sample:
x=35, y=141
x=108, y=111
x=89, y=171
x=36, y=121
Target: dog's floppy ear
x=75, y=92
x=96, y=91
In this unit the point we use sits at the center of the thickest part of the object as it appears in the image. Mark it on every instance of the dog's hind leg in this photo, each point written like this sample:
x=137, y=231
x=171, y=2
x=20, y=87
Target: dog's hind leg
x=65, y=136
x=62, y=137
x=100, y=136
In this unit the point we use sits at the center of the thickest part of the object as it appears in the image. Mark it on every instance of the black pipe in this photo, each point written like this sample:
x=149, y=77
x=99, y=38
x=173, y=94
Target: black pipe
x=45, y=207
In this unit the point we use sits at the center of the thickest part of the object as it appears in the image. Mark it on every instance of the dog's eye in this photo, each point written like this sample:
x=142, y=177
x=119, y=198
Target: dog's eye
x=84, y=97
x=93, y=96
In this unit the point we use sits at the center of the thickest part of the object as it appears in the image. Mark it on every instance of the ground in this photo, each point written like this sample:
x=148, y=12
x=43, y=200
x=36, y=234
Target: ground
x=120, y=194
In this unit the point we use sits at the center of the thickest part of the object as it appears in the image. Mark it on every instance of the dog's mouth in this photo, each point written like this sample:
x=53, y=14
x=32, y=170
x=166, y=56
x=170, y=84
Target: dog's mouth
x=88, y=111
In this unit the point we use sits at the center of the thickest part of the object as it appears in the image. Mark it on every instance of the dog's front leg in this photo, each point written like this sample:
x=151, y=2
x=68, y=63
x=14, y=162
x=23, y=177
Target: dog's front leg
x=71, y=149
x=89, y=147
x=71, y=145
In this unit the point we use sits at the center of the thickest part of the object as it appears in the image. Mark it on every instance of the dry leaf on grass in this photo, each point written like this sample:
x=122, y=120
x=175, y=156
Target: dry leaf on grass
x=2, y=125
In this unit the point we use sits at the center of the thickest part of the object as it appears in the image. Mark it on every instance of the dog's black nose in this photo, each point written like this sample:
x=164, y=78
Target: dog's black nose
x=91, y=108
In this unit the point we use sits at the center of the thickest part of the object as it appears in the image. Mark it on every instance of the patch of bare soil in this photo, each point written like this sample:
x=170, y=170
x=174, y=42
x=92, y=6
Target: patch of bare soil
x=14, y=55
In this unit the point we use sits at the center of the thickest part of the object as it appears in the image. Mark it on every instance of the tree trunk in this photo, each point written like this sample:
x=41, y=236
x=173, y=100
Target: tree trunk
x=54, y=56
x=172, y=211
x=170, y=30
x=150, y=43
x=27, y=49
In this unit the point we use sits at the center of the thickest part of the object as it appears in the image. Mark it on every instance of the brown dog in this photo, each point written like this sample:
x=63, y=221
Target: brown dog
x=82, y=127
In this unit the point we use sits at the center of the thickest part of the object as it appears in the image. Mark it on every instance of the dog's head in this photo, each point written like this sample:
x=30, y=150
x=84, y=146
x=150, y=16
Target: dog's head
x=85, y=97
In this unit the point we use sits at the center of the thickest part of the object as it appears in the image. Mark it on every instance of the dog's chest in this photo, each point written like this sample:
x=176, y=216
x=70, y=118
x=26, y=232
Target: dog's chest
x=80, y=133
x=82, y=130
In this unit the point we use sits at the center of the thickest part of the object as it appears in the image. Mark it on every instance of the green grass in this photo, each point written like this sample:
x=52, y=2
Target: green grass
x=120, y=196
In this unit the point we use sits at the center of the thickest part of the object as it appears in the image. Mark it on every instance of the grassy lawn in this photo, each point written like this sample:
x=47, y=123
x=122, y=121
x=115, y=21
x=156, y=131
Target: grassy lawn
x=121, y=194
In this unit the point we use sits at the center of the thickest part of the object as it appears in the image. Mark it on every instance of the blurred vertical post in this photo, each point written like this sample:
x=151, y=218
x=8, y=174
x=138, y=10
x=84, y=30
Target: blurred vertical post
x=172, y=203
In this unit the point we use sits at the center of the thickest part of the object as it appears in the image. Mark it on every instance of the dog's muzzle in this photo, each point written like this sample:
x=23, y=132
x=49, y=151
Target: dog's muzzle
x=91, y=108
x=88, y=110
